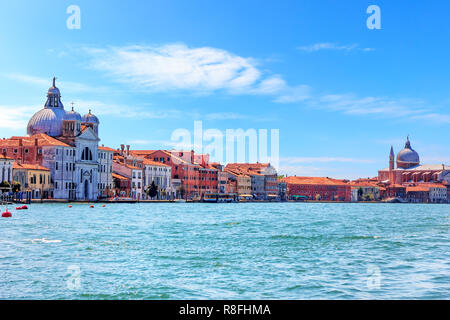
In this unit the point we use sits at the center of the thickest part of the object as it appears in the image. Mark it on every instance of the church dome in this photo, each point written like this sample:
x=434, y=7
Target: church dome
x=407, y=157
x=90, y=118
x=48, y=121
x=72, y=115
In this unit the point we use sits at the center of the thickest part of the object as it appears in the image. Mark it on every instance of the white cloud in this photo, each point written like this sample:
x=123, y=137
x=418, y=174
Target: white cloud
x=177, y=67
x=16, y=117
x=332, y=46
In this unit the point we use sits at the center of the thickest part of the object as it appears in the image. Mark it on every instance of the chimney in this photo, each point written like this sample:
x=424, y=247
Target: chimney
x=36, y=146
x=122, y=147
x=128, y=149
x=192, y=156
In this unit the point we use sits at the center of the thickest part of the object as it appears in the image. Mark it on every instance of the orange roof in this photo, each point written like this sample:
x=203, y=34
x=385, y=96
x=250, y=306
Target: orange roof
x=42, y=139
x=417, y=188
x=154, y=163
x=120, y=177
x=314, y=180
x=25, y=166
x=142, y=152
x=106, y=149
x=2, y=156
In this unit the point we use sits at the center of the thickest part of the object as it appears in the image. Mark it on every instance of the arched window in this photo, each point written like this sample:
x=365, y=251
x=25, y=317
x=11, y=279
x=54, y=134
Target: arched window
x=86, y=154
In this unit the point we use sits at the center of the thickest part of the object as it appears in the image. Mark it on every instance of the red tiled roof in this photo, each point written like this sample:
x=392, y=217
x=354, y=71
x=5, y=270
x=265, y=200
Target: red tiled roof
x=43, y=140
x=120, y=177
x=2, y=156
x=154, y=163
x=106, y=149
x=417, y=188
x=25, y=166
x=314, y=180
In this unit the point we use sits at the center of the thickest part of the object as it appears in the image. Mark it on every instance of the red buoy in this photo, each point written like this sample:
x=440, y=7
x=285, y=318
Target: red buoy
x=91, y=206
x=70, y=206
x=6, y=214
x=24, y=207
x=104, y=205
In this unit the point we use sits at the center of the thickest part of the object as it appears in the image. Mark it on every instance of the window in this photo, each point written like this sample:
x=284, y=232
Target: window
x=56, y=165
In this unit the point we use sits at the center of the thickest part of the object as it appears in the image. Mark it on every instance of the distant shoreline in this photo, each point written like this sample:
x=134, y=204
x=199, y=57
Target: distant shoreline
x=190, y=201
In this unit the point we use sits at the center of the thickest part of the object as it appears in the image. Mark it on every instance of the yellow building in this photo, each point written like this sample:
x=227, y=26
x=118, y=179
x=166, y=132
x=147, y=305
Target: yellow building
x=33, y=178
x=244, y=183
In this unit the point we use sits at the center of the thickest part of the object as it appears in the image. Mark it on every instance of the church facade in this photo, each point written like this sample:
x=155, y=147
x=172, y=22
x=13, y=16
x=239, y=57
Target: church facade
x=409, y=170
x=64, y=142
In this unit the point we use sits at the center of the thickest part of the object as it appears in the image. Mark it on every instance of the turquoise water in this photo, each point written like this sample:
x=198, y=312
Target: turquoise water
x=226, y=251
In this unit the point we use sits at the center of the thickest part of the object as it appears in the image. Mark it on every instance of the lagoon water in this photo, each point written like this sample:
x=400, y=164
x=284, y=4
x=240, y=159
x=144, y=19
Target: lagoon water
x=226, y=251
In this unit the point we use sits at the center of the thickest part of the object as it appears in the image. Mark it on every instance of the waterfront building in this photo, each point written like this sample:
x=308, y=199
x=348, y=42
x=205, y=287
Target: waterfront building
x=437, y=193
x=243, y=183
x=266, y=170
x=122, y=186
x=34, y=179
x=105, y=169
x=394, y=191
x=161, y=174
x=134, y=174
x=317, y=188
x=365, y=190
x=417, y=194
x=6, y=168
x=410, y=171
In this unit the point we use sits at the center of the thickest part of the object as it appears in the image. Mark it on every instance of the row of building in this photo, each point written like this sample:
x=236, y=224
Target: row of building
x=60, y=158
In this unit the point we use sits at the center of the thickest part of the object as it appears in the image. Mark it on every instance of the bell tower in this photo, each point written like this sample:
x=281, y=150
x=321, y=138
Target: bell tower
x=391, y=159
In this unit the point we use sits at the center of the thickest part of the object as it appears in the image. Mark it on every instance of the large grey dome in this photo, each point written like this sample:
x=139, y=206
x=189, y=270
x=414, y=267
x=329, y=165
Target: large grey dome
x=48, y=121
x=408, y=157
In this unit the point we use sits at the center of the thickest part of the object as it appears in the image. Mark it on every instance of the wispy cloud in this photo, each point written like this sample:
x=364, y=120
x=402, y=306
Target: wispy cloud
x=332, y=46
x=177, y=67
x=16, y=117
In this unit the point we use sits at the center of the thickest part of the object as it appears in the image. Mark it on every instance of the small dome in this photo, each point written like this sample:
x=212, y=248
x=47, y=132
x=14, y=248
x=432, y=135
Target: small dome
x=48, y=121
x=72, y=115
x=53, y=91
x=90, y=118
x=407, y=157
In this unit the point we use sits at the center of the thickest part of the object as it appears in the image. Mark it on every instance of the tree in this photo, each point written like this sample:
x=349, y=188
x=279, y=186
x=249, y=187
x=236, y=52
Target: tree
x=369, y=197
x=360, y=193
x=5, y=186
x=152, y=190
x=16, y=186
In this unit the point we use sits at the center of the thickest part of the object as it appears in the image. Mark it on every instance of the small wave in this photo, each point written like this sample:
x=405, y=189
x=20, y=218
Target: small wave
x=43, y=240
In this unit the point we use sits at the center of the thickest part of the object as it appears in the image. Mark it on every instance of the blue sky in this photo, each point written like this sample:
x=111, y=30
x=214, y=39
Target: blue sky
x=339, y=93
